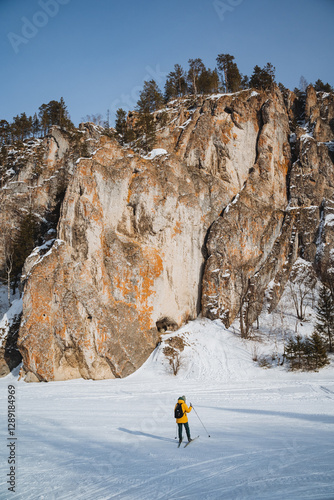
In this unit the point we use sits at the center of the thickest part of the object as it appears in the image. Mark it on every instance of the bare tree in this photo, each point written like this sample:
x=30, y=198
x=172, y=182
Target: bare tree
x=174, y=358
x=328, y=277
x=303, y=84
x=9, y=258
x=172, y=351
x=301, y=284
x=9, y=269
x=97, y=119
x=248, y=301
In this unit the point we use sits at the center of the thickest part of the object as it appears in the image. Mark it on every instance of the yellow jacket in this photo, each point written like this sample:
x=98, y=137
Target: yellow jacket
x=186, y=409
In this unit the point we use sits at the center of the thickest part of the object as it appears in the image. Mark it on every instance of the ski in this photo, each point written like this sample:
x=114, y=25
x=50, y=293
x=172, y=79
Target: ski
x=185, y=446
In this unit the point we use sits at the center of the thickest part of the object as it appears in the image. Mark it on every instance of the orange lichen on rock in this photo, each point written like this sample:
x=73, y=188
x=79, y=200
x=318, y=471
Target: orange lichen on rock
x=177, y=229
x=146, y=290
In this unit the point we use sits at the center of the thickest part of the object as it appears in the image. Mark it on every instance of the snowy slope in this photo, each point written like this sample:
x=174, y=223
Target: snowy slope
x=271, y=430
x=210, y=353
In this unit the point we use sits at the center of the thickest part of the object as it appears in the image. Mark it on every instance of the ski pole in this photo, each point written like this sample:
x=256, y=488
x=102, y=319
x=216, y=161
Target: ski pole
x=201, y=421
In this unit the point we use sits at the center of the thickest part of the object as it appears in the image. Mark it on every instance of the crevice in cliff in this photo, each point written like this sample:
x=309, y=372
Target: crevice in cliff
x=200, y=288
x=288, y=175
x=233, y=200
x=319, y=237
x=297, y=119
x=300, y=109
x=260, y=123
x=206, y=255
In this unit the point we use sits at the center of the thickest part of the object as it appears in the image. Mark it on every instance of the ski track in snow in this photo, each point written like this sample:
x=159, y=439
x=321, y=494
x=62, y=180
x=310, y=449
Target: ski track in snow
x=271, y=430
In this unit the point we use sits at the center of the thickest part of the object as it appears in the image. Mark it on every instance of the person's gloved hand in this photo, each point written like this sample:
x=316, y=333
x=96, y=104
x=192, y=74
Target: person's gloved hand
x=191, y=405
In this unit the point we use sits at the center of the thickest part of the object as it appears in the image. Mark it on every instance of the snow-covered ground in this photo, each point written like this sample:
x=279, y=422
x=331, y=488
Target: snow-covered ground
x=271, y=430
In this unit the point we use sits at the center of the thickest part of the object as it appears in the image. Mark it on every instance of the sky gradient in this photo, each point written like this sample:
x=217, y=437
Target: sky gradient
x=97, y=54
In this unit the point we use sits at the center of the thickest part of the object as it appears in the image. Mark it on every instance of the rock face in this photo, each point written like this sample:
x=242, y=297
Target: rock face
x=145, y=243
x=281, y=212
x=311, y=184
x=34, y=183
x=128, y=231
x=241, y=240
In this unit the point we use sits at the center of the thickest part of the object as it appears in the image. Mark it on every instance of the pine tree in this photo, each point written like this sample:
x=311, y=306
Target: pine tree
x=299, y=350
x=64, y=120
x=294, y=352
x=3, y=161
x=35, y=125
x=263, y=78
x=308, y=349
x=121, y=125
x=317, y=352
x=151, y=98
x=44, y=118
x=320, y=86
x=231, y=78
x=149, y=101
x=308, y=353
x=4, y=132
x=176, y=84
x=196, y=67
x=325, y=316
x=54, y=113
x=21, y=127
x=244, y=82
x=208, y=81
x=145, y=131
x=289, y=351
x=223, y=63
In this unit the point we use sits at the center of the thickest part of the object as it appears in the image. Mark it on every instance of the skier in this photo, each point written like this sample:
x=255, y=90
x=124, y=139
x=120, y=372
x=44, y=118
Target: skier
x=182, y=420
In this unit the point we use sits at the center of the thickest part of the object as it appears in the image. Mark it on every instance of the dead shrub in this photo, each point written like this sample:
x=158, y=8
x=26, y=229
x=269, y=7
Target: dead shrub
x=172, y=351
x=263, y=362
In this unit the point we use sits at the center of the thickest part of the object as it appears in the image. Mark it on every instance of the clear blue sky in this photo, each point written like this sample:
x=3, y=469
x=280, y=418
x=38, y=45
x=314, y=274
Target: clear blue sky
x=96, y=54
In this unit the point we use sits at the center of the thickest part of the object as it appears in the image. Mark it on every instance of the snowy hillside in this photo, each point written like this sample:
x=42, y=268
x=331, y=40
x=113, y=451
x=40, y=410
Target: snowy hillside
x=270, y=430
x=210, y=353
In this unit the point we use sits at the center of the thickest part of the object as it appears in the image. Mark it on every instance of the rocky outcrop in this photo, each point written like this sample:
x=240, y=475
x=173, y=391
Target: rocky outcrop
x=37, y=179
x=128, y=231
x=224, y=207
x=33, y=187
x=312, y=182
x=130, y=252
x=241, y=240
x=279, y=214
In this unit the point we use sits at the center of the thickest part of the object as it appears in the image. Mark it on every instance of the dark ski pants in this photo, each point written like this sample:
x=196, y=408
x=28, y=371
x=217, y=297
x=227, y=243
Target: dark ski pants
x=186, y=426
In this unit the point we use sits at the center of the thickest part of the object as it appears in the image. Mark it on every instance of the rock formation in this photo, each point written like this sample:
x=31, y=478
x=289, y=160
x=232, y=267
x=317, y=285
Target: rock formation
x=280, y=213
x=34, y=185
x=239, y=188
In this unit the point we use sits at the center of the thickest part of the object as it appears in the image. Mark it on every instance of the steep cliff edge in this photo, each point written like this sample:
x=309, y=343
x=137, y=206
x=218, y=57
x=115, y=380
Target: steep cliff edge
x=144, y=243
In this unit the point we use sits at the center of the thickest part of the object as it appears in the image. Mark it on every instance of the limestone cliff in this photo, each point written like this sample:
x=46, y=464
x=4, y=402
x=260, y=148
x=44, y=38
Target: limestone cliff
x=240, y=187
